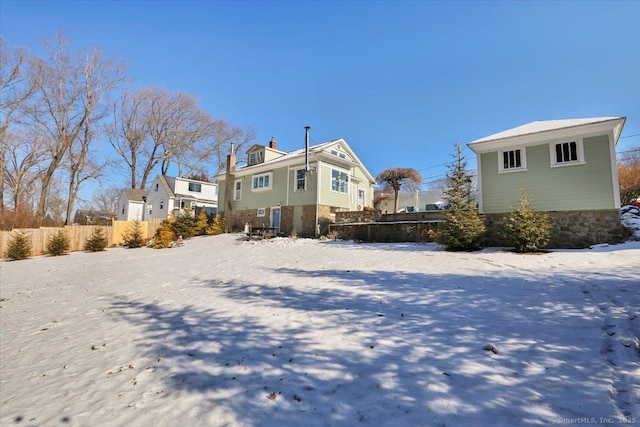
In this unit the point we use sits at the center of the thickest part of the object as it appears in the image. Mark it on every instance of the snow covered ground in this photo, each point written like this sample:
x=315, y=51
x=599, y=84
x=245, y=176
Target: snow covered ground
x=225, y=332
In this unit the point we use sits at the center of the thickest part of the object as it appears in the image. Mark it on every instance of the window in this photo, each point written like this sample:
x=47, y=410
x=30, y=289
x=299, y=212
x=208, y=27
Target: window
x=122, y=209
x=338, y=154
x=161, y=204
x=360, y=199
x=195, y=187
x=157, y=186
x=256, y=157
x=149, y=209
x=512, y=160
x=339, y=181
x=261, y=212
x=261, y=182
x=301, y=180
x=567, y=153
x=237, y=193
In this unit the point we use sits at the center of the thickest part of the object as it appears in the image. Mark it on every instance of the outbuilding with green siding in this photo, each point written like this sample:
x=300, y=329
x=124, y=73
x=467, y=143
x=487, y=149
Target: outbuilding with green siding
x=563, y=165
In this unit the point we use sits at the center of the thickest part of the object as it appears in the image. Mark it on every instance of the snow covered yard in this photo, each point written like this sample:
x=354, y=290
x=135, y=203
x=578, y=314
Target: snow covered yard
x=225, y=332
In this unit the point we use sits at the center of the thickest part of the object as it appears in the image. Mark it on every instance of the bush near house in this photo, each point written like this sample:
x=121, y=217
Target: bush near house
x=217, y=227
x=202, y=223
x=185, y=225
x=59, y=243
x=133, y=237
x=97, y=242
x=19, y=246
x=528, y=230
x=164, y=236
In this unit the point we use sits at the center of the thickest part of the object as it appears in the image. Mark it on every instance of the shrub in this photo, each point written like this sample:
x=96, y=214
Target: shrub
x=217, y=227
x=59, y=243
x=528, y=230
x=19, y=246
x=97, y=242
x=185, y=225
x=202, y=223
x=133, y=237
x=164, y=236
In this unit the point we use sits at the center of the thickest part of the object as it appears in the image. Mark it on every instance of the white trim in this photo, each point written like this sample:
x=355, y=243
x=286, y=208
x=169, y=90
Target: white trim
x=553, y=162
x=523, y=160
x=479, y=176
x=614, y=171
x=537, y=138
x=260, y=212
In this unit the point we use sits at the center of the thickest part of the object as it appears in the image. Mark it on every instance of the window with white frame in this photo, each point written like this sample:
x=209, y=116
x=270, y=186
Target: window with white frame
x=161, y=204
x=338, y=154
x=339, y=181
x=566, y=153
x=195, y=187
x=256, y=157
x=261, y=182
x=301, y=180
x=237, y=190
x=261, y=212
x=512, y=160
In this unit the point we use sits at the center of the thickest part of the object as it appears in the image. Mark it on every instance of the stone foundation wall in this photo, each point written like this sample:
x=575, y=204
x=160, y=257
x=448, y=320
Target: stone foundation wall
x=411, y=231
x=570, y=229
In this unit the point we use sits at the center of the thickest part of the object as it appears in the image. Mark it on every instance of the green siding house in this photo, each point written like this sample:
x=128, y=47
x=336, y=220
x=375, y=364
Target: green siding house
x=567, y=167
x=276, y=190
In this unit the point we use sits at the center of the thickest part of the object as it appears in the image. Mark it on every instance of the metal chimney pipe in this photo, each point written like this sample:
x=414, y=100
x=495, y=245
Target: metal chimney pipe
x=306, y=148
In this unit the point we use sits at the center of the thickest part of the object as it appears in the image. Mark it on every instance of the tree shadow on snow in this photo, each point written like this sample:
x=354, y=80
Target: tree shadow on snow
x=386, y=348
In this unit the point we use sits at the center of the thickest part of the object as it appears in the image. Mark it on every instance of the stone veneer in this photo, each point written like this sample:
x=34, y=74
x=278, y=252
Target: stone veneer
x=570, y=229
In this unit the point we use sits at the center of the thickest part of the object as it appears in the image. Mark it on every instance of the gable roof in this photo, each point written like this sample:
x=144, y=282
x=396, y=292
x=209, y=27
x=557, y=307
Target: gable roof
x=549, y=129
x=292, y=156
x=135, y=194
x=167, y=188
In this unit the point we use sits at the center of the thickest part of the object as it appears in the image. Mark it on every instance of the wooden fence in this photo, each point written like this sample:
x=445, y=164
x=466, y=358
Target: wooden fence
x=78, y=234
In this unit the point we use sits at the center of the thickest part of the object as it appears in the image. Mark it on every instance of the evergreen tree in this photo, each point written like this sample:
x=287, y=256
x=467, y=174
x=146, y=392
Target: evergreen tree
x=164, y=236
x=19, y=246
x=58, y=243
x=528, y=230
x=97, y=242
x=185, y=225
x=217, y=227
x=462, y=228
x=202, y=223
x=133, y=237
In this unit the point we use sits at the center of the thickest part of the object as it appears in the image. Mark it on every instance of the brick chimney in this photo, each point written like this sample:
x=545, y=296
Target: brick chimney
x=273, y=144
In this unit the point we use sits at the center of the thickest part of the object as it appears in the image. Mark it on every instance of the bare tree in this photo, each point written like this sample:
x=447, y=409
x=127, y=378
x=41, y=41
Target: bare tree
x=72, y=90
x=629, y=175
x=106, y=200
x=396, y=178
x=15, y=91
x=24, y=153
x=153, y=128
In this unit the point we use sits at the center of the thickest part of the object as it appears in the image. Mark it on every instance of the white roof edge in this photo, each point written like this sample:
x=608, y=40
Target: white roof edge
x=550, y=128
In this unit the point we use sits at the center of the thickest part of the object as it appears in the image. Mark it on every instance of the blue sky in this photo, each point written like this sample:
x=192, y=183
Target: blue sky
x=401, y=81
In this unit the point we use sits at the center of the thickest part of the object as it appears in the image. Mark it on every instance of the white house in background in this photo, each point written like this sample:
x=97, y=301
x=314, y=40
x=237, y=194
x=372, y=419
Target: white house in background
x=131, y=205
x=170, y=196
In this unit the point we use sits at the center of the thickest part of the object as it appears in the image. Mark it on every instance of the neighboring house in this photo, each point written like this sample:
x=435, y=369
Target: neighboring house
x=414, y=201
x=275, y=189
x=170, y=196
x=567, y=167
x=131, y=205
x=93, y=217
x=167, y=196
